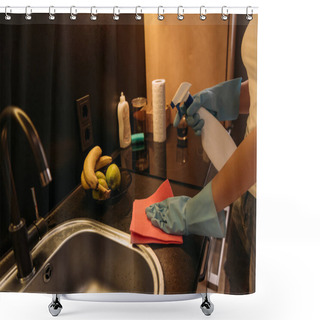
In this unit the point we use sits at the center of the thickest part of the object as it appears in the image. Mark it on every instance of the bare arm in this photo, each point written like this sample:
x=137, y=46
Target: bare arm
x=237, y=175
x=244, y=102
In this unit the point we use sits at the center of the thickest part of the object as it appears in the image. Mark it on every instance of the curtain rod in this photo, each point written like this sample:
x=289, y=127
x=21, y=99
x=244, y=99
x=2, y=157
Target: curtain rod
x=95, y=10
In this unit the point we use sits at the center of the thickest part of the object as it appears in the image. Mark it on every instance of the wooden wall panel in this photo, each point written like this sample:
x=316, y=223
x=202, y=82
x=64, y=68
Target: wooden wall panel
x=190, y=50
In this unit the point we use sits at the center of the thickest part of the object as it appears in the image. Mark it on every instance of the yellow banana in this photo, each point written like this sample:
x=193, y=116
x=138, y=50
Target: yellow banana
x=105, y=192
x=102, y=162
x=84, y=182
x=89, y=167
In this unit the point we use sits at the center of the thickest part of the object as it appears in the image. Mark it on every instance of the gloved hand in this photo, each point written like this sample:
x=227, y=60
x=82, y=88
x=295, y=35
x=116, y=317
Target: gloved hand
x=184, y=215
x=222, y=101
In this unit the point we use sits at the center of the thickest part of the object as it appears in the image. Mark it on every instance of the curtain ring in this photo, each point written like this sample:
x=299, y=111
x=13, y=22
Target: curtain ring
x=249, y=16
x=28, y=13
x=138, y=17
x=160, y=16
x=7, y=10
x=116, y=15
x=73, y=13
x=52, y=12
x=203, y=13
x=180, y=13
x=224, y=13
x=93, y=16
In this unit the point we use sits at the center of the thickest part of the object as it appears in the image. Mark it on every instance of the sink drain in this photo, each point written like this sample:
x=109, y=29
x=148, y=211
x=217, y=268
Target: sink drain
x=47, y=273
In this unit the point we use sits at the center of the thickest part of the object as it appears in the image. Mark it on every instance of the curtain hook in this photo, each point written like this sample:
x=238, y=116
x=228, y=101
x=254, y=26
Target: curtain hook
x=52, y=12
x=6, y=14
x=28, y=13
x=93, y=16
x=180, y=13
x=116, y=15
x=224, y=13
x=160, y=16
x=73, y=13
x=249, y=16
x=203, y=13
x=138, y=17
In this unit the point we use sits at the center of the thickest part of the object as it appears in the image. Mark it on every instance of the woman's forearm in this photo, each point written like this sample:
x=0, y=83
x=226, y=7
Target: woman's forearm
x=237, y=175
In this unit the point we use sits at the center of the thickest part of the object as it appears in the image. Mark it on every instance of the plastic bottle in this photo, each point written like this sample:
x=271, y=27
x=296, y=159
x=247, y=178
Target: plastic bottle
x=124, y=122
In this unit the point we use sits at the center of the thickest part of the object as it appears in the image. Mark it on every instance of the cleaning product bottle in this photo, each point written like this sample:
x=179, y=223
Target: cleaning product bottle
x=182, y=129
x=124, y=122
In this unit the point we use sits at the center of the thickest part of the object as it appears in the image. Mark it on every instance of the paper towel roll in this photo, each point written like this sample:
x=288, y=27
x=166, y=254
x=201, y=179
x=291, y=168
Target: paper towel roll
x=159, y=110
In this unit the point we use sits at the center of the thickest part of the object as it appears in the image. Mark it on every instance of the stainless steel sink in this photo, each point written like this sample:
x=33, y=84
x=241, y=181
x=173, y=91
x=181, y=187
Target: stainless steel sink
x=86, y=256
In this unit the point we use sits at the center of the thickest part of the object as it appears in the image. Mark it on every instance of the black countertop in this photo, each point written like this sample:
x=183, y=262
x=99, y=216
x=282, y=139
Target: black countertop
x=180, y=263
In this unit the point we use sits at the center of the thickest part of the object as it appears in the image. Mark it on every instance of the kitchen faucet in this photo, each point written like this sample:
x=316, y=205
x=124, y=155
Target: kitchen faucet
x=18, y=227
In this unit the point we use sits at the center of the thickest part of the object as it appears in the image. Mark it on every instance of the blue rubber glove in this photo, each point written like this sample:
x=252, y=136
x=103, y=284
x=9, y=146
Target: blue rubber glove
x=184, y=215
x=222, y=101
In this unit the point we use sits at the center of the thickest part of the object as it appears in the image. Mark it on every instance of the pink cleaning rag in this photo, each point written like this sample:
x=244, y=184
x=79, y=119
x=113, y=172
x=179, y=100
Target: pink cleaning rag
x=141, y=228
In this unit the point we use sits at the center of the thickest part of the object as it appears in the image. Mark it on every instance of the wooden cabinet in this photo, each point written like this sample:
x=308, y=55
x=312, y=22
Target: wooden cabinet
x=200, y=52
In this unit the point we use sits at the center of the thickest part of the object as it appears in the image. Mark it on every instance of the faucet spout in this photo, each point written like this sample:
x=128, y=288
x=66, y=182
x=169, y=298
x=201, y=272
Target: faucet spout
x=17, y=227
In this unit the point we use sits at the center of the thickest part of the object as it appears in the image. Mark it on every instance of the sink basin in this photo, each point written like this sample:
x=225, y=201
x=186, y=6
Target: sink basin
x=86, y=256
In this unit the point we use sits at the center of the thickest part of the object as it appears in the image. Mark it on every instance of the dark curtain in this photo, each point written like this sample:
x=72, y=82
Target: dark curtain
x=45, y=67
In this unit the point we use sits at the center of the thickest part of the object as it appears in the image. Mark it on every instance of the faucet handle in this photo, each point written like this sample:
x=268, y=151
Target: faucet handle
x=39, y=227
x=35, y=202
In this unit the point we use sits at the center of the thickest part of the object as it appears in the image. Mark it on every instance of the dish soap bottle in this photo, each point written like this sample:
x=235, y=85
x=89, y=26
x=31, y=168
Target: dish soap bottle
x=124, y=122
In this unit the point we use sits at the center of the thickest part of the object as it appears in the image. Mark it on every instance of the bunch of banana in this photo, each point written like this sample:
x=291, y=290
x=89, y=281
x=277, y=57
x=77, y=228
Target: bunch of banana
x=93, y=162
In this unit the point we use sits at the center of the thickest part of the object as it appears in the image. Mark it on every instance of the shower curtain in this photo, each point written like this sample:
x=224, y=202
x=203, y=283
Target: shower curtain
x=83, y=226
